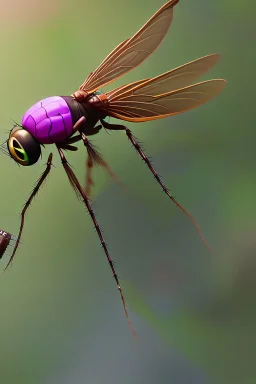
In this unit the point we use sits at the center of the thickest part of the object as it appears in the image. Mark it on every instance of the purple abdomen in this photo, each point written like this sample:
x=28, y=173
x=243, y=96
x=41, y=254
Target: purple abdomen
x=49, y=120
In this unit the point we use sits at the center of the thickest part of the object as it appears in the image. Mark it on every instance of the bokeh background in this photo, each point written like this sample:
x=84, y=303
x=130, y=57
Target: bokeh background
x=61, y=318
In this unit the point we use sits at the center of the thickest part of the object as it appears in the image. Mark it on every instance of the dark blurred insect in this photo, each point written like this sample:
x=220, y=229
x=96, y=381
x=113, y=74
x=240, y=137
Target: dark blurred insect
x=5, y=240
x=55, y=120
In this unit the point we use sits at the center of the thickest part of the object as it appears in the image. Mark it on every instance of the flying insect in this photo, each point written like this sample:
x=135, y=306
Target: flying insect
x=65, y=120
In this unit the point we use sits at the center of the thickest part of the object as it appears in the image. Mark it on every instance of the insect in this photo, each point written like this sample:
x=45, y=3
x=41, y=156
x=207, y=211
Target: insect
x=5, y=240
x=65, y=120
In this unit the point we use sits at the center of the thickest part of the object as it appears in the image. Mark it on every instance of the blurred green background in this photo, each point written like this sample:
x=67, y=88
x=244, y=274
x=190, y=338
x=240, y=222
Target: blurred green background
x=61, y=317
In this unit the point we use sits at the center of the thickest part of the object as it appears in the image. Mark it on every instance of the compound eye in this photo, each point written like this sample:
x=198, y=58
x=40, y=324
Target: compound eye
x=23, y=148
x=18, y=152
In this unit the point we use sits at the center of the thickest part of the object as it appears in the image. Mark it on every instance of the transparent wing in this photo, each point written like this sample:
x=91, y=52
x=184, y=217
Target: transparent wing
x=166, y=82
x=144, y=108
x=165, y=95
x=132, y=52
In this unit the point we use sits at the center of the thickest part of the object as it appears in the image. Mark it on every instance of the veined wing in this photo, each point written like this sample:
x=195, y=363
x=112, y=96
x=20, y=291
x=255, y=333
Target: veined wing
x=132, y=52
x=165, y=95
x=125, y=88
x=168, y=81
x=141, y=107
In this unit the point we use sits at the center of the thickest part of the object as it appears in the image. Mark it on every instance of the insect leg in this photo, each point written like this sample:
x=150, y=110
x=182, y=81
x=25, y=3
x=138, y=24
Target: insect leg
x=73, y=139
x=33, y=194
x=95, y=158
x=79, y=123
x=88, y=179
x=79, y=190
x=113, y=127
x=94, y=130
x=156, y=176
x=68, y=147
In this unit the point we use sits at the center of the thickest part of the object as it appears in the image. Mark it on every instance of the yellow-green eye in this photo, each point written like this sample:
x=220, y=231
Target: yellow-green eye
x=23, y=148
x=17, y=152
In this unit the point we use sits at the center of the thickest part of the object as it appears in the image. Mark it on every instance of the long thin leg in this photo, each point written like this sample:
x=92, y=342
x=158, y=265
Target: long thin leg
x=78, y=189
x=88, y=178
x=33, y=194
x=156, y=176
x=95, y=158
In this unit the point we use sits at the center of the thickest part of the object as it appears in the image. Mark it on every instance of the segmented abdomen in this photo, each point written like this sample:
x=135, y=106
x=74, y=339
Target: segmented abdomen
x=49, y=120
